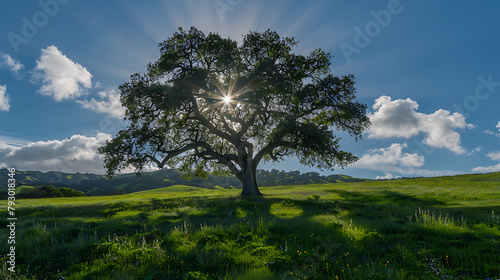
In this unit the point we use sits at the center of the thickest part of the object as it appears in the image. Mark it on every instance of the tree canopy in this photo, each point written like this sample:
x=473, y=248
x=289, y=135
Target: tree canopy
x=208, y=103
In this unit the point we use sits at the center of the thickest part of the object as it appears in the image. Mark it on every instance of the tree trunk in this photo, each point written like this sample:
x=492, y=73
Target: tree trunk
x=249, y=180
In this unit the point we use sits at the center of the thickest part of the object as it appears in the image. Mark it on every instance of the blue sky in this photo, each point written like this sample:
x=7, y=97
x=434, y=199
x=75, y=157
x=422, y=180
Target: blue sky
x=429, y=72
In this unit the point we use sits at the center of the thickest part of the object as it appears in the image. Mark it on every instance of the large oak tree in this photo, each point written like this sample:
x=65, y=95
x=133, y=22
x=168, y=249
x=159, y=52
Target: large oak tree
x=209, y=103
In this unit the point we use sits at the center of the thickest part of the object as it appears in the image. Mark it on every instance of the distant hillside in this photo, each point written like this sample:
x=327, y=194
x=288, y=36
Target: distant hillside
x=37, y=178
x=93, y=184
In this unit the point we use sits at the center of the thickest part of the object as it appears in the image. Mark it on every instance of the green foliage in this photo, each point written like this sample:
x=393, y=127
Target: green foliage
x=208, y=103
x=48, y=191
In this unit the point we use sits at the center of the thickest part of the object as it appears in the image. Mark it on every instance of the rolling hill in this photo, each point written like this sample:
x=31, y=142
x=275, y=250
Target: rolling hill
x=421, y=228
x=95, y=185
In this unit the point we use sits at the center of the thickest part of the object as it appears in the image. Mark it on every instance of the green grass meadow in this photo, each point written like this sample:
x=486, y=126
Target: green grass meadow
x=428, y=228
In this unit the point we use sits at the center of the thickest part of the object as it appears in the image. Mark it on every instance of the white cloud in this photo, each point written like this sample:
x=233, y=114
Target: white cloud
x=14, y=66
x=494, y=155
x=399, y=118
x=391, y=156
x=394, y=160
x=492, y=132
x=12, y=140
x=396, y=118
x=62, y=78
x=4, y=99
x=487, y=131
x=78, y=153
x=487, y=169
x=421, y=172
x=440, y=134
x=109, y=104
x=387, y=176
x=475, y=150
x=410, y=171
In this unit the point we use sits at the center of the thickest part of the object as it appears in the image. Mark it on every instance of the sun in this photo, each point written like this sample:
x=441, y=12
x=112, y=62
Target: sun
x=226, y=99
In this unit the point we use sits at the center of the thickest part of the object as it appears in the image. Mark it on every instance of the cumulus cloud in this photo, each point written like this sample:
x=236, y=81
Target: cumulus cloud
x=487, y=169
x=494, y=155
x=399, y=118
x=108, y=104
x=494, y=168
x=394, y=160
x=391, y=156
x=388, y=176
x=76, y=154
x=396, y=118
x=62, y=78
x=14, y=66
x=4, y=99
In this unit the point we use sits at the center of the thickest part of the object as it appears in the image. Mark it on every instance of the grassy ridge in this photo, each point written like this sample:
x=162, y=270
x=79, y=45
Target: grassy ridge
x=100, y=185
x=429, y=228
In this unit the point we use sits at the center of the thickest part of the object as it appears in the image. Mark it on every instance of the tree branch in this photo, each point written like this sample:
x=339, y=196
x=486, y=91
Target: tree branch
x=246, y=125
x=209, y=125
x=269, y=148
x=226, y=159
x=231, y=131
x=173, y=153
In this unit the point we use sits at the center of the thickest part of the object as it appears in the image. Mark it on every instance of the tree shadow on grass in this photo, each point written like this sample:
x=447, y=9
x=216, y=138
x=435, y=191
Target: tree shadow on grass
x=279, y=232
x=382, y=197
x=265, y=228
x=374, y=242
x=432, y=235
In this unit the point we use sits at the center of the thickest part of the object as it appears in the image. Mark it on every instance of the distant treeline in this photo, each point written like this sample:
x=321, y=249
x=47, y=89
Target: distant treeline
x=97, y=185
x=130, y=183
x=49, y=191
